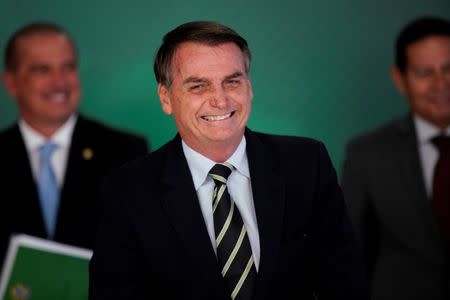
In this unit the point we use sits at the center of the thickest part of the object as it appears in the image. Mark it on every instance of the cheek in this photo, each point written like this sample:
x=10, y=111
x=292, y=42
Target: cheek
x=245, y=100
x=239, y=96
x=30, y=88
x=74, y=81
x=419, y=88
x=35, y=85
x=178, y=108
x=191, y=106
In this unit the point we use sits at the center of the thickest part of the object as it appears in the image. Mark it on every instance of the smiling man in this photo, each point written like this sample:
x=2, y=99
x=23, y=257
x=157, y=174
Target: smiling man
x=396, y=178
x=221, y=211
x=53, y=159
x=210, y=97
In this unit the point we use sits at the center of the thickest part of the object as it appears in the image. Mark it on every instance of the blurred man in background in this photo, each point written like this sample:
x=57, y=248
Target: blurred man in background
x=396, y=179
x=53, y=158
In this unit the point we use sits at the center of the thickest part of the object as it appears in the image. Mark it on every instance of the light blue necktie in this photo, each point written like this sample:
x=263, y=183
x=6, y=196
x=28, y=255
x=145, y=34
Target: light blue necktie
x=48, y=188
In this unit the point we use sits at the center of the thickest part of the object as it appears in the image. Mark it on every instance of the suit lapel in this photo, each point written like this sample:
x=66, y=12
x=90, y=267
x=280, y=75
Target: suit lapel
x=269, y=199
x=181, y=204
x=409, y=163
x=28, y=194
x=74, y=178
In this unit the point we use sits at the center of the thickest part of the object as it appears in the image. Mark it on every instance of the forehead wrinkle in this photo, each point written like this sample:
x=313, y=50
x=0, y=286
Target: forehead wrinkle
x=177, y=63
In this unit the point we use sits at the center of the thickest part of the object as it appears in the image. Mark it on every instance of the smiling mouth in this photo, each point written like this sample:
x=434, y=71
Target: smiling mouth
x=58, y=97
x=213, y=118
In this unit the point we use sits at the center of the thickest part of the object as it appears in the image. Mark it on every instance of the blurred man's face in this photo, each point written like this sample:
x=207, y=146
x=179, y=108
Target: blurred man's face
x=45, y=80
x=210, y=96
x=426, y=80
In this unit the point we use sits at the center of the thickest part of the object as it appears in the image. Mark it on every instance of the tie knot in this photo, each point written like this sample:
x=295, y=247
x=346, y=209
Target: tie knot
x=47, y=149
x=220, y=172
x=442, y=142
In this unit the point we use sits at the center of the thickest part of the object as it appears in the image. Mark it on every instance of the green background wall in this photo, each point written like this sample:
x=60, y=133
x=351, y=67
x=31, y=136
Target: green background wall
x=320, y=68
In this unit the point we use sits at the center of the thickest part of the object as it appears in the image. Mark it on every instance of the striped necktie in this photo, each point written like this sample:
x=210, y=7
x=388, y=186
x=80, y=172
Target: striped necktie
x=234, y=252
x=48, y=188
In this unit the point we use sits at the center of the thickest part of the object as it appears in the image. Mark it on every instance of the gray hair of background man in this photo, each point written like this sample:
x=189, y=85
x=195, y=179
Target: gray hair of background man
x=203, y=32
x=416, y=30
x=11, y=53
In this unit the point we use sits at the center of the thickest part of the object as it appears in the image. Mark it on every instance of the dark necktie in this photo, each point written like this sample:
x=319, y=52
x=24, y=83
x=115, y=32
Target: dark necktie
x=441, y=184
x=234, y=252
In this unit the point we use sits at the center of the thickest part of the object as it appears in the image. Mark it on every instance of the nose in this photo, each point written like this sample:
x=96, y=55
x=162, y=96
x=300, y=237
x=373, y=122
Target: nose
x=59, y=79
x=219, y=97
x=442, y=80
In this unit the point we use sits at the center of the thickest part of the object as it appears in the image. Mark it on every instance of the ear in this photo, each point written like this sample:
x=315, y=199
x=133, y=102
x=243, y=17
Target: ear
x=164, y=99
x=9, y=83
x=398, y=77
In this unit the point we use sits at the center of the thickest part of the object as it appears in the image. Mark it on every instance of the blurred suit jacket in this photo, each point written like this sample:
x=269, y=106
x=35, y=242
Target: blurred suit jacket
x=152, y=238
x=20, y=210
x=382, y=180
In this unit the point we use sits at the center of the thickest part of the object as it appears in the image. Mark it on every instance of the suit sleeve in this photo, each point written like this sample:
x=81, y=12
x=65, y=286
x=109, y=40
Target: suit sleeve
x=341, y=272
x=357, y=196
x=113, y=268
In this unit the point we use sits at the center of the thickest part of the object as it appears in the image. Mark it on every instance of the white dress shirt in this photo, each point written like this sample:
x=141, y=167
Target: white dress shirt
x=239, y=187
x=62, y=138
x=427, y=150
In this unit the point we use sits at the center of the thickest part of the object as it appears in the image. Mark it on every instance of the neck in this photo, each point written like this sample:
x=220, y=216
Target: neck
x=46, y=129
x=442, y=125
x=218, y=152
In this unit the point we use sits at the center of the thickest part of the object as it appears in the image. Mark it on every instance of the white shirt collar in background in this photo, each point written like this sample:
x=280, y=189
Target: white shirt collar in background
x=428, y=153
x=426, y=131
x=62, y=137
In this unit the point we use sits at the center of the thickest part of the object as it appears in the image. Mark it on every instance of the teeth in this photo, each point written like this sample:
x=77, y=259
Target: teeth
x=58, y=96
x=217, y=118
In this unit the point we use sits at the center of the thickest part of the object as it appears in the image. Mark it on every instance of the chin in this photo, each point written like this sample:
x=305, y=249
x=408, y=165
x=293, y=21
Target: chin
x=60, y=118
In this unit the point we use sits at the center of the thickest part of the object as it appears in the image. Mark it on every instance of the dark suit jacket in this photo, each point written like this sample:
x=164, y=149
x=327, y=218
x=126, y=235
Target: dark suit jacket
x=152, y=239
x=383, y=184
x=20, y=210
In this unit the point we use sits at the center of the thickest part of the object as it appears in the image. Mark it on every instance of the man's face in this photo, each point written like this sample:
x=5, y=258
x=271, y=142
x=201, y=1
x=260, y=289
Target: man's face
x=426, y=80
x=45, y=80
x=210, y=96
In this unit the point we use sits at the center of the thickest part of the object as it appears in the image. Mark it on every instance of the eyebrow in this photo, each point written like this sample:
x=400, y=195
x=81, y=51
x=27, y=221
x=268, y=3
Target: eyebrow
x=38, y=65
x=194, y=79
x=234, y=75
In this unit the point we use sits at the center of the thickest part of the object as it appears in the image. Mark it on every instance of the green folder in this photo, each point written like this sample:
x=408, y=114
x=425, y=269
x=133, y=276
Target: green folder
x=36, y=269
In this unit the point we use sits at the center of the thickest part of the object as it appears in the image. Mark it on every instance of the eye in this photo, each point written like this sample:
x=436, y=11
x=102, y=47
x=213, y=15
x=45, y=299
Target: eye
x=70, y=67
x=39, y=69
x=233, y=83
x=423, y=73
x=446, y=69
x=195, y=88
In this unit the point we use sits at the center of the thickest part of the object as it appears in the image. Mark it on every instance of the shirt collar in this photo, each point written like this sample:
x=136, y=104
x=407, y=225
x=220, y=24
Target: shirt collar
x=200, y=165
x=426, y=131
x=61, y=137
